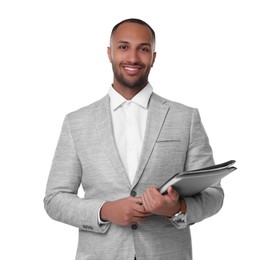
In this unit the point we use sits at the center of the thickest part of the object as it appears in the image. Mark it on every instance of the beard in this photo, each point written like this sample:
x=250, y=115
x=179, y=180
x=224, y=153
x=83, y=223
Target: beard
x=132, y=84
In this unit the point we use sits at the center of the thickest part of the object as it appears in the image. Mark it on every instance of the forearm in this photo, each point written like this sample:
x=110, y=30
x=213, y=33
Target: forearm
x=72, y=210
x=61, y=202
x=210, y=201
x=204, y=205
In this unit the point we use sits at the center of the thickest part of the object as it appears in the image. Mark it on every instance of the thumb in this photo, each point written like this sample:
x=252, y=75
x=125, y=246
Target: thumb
x=172, y=193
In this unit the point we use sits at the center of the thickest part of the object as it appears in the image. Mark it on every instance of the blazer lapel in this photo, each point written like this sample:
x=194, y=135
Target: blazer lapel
x=158, y=110
x=104, y=127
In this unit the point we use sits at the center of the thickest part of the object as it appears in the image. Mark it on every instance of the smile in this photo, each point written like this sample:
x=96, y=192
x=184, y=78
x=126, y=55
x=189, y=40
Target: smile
x=131, y=69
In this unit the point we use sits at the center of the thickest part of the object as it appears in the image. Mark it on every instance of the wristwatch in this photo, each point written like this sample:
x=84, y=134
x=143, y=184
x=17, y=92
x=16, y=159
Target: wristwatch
x=183, y=206
x=180, y=216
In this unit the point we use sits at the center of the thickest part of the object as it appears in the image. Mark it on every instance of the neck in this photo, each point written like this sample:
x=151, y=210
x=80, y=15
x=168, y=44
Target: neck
x=128, y=93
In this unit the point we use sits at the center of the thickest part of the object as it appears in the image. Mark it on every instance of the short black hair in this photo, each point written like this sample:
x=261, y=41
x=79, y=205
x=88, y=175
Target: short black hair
x=134, y=20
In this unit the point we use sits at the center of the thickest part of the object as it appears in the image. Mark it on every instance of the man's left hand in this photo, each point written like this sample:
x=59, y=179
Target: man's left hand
x=164, y=205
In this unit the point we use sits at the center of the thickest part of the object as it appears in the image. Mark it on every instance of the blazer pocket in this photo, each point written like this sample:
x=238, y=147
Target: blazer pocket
x=165, y=139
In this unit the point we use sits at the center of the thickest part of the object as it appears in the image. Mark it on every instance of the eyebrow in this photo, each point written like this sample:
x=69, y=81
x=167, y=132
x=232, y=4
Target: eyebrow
x=143, y=43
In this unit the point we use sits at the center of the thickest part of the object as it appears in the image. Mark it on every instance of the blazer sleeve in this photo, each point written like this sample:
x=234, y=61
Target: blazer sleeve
x=61, y=201
x=208, y=202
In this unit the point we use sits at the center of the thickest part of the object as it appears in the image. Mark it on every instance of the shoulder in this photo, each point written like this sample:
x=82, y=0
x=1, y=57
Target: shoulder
x=178, y=113
x=89, y=109
x=175, y=107
x=84, y=117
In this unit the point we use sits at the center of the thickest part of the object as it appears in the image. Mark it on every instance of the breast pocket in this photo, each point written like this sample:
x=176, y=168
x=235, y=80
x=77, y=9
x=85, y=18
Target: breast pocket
x=169, y=137
x=169, y=153
x=169, y=144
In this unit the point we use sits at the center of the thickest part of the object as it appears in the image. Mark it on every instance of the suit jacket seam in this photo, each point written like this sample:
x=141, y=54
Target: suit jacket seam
x=71, y=134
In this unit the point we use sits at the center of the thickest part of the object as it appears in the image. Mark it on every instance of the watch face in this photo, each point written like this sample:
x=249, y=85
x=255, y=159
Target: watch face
x=179, y=217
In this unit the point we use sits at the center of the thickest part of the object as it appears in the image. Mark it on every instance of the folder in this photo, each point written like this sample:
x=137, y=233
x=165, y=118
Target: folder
x=192, y=182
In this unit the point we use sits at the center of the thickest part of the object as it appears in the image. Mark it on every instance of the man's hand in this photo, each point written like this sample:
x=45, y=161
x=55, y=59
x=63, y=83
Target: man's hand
x=164, y=205
x=124, y=212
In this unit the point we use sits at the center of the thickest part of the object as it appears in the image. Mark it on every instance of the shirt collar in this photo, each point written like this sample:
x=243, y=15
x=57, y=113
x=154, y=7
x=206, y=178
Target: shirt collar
x=141, y=98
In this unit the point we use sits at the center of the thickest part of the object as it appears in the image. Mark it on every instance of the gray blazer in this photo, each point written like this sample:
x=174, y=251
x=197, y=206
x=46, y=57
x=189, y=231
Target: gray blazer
x=175, y=140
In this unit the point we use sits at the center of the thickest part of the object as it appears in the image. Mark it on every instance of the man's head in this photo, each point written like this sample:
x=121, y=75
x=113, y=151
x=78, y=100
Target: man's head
x=132, y=53
x=135, y=21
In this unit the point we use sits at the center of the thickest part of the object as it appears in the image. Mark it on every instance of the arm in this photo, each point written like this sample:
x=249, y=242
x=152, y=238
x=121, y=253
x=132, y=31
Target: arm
x=208, y=202
x=61, y=201
x=200, y=206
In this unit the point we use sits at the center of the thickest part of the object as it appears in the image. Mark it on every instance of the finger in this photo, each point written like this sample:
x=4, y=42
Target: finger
x=146, y=197
x=141, y=215
x=138, y=219
x=153, y=192
x=138, y=207
x=136, y=200
x=172, y=193
x=150, y=198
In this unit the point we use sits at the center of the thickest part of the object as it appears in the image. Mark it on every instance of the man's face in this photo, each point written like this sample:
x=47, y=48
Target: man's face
x=132, y=55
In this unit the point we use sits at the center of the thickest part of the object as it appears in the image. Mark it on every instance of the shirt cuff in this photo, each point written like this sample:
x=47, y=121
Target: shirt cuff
x=179, y=220
x=100, y=222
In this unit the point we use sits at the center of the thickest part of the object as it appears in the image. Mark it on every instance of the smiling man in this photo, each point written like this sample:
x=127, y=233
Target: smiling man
x=132, y=54
x=120, y=149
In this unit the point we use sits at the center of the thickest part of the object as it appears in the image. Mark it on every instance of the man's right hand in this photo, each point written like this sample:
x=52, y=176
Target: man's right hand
x=124, y=212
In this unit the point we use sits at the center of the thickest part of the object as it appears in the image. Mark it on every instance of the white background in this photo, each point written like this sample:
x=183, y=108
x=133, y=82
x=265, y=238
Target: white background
x=211, y=55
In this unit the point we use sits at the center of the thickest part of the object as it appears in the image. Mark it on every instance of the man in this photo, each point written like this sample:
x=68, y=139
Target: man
x=120, y=149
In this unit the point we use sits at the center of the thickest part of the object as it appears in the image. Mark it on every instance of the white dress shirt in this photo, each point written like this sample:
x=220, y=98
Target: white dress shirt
x=129, y=119
x=129, y=122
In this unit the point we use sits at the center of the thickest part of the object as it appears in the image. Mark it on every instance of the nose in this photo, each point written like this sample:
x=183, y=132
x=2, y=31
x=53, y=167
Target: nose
x=133, y=56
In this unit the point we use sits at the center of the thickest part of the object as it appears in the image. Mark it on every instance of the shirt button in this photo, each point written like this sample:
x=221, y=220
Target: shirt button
x=134, y=226
x=133, y=193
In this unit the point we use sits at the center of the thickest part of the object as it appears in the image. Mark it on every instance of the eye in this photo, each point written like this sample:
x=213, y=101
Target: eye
x=144, y=49
x=123, y=47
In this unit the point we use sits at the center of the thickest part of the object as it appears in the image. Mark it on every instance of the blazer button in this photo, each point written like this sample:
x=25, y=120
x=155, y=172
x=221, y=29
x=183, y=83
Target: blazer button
x=133, y=193
x=134, y=226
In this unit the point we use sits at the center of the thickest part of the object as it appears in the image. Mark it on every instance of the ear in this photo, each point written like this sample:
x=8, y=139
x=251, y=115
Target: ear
x=154, y=56
x=109, y=53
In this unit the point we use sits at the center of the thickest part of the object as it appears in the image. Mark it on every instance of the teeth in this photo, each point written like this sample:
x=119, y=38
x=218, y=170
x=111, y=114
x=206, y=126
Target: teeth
x=127, y=68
